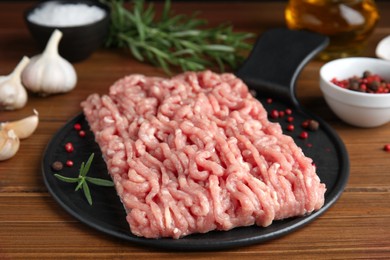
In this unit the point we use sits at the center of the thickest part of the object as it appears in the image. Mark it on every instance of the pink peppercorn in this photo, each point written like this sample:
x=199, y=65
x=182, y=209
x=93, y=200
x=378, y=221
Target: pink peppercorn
x=77, y=126
x=69, y=163
x=305, y=124
x=274, y=113
x=304, y=135
x=290, y=127
x=69, y=147
x=81, y=133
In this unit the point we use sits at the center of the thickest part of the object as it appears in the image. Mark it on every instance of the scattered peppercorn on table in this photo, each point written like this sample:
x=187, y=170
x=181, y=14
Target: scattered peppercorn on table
x=34, y=226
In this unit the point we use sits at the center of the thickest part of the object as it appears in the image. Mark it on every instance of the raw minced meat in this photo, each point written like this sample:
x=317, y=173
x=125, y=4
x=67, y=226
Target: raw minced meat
x=196, y=153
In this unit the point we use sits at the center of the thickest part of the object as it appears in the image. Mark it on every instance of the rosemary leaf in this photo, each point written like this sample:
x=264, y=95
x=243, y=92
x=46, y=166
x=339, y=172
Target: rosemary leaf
x=139, y=23
x=87, y=165
x=87, y=192
x=80, y=184
x=136, y=53
x=66, y=179
x=81, y=168
x=187, y=33
x=100, y=182
x=218, y=47
x=167, y=8
x=149, y=14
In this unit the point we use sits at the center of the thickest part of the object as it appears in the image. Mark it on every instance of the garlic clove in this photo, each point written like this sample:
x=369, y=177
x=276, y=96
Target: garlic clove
x=48, y=73
x=12, y=93
x=383, y=49
x=9, y=144
x=23, y=128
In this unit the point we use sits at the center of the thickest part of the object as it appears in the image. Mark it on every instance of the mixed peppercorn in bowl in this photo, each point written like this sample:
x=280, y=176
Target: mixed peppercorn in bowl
x=357, y=90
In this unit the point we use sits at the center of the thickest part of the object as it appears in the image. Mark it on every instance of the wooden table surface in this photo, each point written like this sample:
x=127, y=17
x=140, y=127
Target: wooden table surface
x=34, y=226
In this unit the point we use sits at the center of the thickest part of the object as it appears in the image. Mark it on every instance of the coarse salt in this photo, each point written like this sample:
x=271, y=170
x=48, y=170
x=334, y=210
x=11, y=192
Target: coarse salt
x=65, y=15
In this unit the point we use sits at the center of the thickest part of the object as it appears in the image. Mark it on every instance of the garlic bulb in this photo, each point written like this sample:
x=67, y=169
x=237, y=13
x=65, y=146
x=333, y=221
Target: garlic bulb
x=23, y=128
x=12, y=93
x=9, y=144
x=382, y=50
x=49, y=73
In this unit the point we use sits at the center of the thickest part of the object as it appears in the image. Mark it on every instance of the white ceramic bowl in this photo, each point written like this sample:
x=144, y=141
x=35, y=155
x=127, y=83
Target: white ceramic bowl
x=356, y=108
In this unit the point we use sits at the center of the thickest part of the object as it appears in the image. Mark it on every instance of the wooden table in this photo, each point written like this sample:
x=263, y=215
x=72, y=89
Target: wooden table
x=34, y=226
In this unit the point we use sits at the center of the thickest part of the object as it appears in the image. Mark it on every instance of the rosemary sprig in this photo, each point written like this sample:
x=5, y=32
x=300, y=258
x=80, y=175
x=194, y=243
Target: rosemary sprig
x=174, y=40
x=82, y=179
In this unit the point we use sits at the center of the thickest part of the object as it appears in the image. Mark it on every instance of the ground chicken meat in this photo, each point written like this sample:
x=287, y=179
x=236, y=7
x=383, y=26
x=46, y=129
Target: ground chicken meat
x=196, y=153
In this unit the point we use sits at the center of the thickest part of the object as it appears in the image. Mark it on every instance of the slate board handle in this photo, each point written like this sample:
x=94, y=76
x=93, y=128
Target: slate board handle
x=276, y=60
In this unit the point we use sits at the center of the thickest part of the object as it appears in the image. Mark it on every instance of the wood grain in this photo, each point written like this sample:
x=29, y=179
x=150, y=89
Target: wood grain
x=34, y=226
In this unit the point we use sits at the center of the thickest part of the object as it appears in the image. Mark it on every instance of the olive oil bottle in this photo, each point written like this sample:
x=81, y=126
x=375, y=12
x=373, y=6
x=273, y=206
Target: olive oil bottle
x=347, y=23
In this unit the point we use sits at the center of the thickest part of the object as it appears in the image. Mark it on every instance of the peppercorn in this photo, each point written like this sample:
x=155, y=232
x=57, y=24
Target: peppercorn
x=57, y=166
x=69, y=147
x=313, y=125
x=374, y=85
x=354, y=86
x=304, y=135
x=77, y=126
x=274, y=113
x=363, y=88
x=367, y=74
x=305, y=124
x=290, y=127
x=69, y=163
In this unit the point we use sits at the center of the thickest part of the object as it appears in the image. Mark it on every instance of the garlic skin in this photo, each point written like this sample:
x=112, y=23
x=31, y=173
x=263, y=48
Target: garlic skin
x=23, y=128
x=12, y=93
x=48, y=73
x=9, y=144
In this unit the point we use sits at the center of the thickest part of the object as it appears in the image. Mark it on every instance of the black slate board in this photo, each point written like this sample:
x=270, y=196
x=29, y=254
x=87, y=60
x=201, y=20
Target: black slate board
x=107, y=214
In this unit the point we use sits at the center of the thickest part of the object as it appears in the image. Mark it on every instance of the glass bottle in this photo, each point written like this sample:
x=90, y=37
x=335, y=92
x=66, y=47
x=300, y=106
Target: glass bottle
x=347, y=23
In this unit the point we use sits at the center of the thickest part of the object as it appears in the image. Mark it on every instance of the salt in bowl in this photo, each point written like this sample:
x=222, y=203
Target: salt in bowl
x=80, y=38
x=356, y=108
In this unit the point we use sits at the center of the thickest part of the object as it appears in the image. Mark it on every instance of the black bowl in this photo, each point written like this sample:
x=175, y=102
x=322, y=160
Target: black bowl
x=78, y=42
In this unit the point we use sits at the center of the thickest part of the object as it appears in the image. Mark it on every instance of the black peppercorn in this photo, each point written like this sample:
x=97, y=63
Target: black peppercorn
x=367, y=74
x=313, y=125
x=57, y=166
